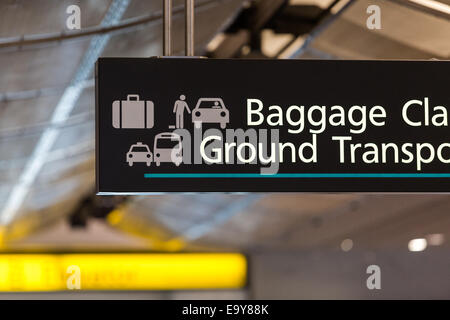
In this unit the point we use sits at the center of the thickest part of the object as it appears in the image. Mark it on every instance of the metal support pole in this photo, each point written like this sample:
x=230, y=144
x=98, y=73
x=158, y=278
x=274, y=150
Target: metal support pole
x=167, y=26
x=189, y=27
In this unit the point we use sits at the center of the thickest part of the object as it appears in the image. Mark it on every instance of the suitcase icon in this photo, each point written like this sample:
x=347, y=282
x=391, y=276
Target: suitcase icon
x=132, y=113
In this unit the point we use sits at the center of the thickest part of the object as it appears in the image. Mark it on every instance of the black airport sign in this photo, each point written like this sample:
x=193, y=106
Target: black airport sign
x=211, y=125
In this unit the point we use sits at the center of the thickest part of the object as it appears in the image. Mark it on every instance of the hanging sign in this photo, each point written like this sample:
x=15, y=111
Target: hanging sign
x=201, y=125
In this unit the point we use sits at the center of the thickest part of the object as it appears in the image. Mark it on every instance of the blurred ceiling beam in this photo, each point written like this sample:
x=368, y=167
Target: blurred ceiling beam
x=325, y=21
x=367, y=45
x=420, y=36
x=436, y=8
x=278, y=16
x=127, y=25
x=263, y=11
x=246, y=28
x=300, y=19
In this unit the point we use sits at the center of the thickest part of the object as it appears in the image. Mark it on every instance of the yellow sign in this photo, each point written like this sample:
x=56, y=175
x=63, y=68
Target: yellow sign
x=50, y=272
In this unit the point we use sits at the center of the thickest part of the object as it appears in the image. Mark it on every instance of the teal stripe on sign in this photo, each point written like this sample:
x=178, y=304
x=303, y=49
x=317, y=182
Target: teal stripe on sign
x=297, y=175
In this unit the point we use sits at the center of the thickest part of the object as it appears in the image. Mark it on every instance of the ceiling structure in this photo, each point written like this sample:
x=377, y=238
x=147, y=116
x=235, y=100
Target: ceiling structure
x=40, y=60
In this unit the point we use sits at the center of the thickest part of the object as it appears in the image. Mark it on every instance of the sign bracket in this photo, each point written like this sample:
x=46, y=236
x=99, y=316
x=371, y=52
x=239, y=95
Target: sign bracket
x=189, y=28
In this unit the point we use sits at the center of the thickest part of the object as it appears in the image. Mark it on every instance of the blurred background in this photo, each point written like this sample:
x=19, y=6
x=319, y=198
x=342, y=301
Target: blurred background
x=57, y=236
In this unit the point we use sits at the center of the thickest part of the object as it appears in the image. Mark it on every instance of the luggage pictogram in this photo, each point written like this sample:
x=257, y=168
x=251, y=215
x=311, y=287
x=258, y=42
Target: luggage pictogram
x=132, y=113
